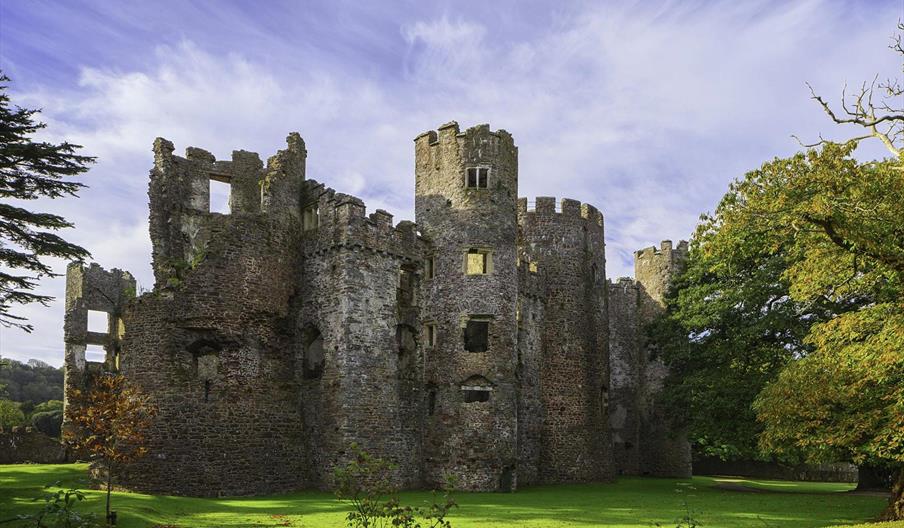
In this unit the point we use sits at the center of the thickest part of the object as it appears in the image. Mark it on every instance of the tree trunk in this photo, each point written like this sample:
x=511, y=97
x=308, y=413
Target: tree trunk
x=895, y=509
x=109, y=488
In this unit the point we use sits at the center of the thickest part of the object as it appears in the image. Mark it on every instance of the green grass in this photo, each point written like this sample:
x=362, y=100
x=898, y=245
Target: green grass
x=630, y=502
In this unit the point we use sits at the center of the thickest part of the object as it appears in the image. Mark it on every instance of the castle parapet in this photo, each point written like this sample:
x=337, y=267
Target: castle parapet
x=333, y=220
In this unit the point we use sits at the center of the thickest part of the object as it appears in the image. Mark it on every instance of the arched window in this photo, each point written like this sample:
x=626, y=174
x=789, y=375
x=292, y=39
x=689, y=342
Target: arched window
x=406, y=345
x=313, y=358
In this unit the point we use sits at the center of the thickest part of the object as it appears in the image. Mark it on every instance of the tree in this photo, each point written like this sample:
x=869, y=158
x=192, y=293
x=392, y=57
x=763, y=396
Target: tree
x=844, y=400
x=109, y=421
x=47, y=417
x=10, y=414
x=30, y=170
x=729, y=328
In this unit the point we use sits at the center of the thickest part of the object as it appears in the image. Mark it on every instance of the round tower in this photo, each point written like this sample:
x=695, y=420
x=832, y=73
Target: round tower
x=566, y=245
x=466, y=188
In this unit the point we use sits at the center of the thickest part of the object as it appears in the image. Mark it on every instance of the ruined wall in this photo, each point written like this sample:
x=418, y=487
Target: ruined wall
x=474, y=344
x=25, y=445
x=475, y=441
x=209, y=344
x=90, y=287
x=626, y=365
x=664, y=452
x=568, y=248
x=370, y=387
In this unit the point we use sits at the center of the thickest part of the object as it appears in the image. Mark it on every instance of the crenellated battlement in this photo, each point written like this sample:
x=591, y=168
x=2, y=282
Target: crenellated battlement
x=333, y=219
x=546, y=205
x=666, y=248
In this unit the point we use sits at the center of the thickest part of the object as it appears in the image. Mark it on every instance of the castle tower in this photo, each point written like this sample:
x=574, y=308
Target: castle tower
x=465, y=203
x=664, y=452
x=567, y=247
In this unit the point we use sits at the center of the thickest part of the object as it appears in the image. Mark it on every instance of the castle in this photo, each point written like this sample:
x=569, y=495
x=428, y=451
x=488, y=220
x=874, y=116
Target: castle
x=482, y=342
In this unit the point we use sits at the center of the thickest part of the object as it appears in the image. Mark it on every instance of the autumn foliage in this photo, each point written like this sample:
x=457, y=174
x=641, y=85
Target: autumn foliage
x=109, y=421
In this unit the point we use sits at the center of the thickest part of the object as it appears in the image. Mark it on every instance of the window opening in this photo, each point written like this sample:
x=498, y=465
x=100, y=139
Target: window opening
x=220, y=194
x=430, y=334
x=429, y=267
x=312, y=364
x=310, y=218
x=431, y=402
x=478, y=261
x=95, y=354
x=477, y=335
x=98, y=322
x=476, y=389
x=406, y=287
x=477, y=177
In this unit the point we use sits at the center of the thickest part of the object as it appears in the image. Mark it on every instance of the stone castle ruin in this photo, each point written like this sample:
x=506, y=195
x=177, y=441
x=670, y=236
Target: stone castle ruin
x=483, y=342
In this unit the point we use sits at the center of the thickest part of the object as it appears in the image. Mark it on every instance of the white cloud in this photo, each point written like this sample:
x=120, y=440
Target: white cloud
x=645, y=111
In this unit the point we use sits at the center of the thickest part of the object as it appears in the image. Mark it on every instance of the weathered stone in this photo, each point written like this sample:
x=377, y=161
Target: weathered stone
x=281, y=333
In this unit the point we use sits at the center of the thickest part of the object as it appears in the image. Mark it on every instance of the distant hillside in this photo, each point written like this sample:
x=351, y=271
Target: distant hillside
x=30, y=383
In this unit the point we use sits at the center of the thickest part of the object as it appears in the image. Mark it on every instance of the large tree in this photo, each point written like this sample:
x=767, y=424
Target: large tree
x=30, y=170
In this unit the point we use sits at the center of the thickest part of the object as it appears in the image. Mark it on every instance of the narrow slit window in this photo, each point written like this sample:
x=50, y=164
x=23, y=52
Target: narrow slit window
x=430, y=334
x=477, y=335
x=220, y=194
x=429, y=267
x=431, y=402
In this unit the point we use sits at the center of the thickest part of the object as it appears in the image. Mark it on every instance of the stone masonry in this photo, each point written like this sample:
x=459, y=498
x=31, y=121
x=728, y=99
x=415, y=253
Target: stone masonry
x=482, y=342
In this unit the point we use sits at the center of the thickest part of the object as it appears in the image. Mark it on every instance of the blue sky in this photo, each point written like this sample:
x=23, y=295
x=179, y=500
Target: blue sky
x=645, y=109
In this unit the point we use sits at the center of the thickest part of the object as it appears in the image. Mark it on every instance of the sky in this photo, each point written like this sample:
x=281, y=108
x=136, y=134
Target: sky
x=648, y=110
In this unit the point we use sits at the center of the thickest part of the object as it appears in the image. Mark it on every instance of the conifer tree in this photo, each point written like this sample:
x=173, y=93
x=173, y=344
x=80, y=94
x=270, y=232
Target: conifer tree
x=30, y=170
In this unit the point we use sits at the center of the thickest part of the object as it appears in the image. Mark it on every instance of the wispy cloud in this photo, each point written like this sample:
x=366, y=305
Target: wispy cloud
x=645, y=110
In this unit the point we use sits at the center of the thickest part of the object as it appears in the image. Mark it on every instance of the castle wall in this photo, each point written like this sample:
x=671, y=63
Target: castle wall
x=371, y=391
x=475, y=344
x=626, y=365
x=209, y=346
x=568, y=249
x=472, y=440
x=664, y=451
x=92, y=288
x=531, y=413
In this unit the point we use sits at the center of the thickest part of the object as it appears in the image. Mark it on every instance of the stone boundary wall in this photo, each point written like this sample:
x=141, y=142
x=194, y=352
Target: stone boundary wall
x=839, y=472
x=22, y=445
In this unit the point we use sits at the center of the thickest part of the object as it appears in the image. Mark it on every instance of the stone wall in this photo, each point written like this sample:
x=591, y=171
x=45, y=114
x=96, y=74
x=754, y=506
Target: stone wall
x=21, y=445
x=839, y=472
x=626, y=364
x=473, y=344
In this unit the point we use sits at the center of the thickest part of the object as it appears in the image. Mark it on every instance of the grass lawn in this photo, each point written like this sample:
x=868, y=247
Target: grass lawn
x=630, y=502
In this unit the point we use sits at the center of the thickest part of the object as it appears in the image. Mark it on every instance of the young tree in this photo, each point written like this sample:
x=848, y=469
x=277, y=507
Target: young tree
x=109, y=421
x=30, y=170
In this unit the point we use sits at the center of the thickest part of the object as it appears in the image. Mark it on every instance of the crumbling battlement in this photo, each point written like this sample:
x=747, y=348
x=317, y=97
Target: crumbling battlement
x=474, y=344
x=179, y=192
x=333, y=220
